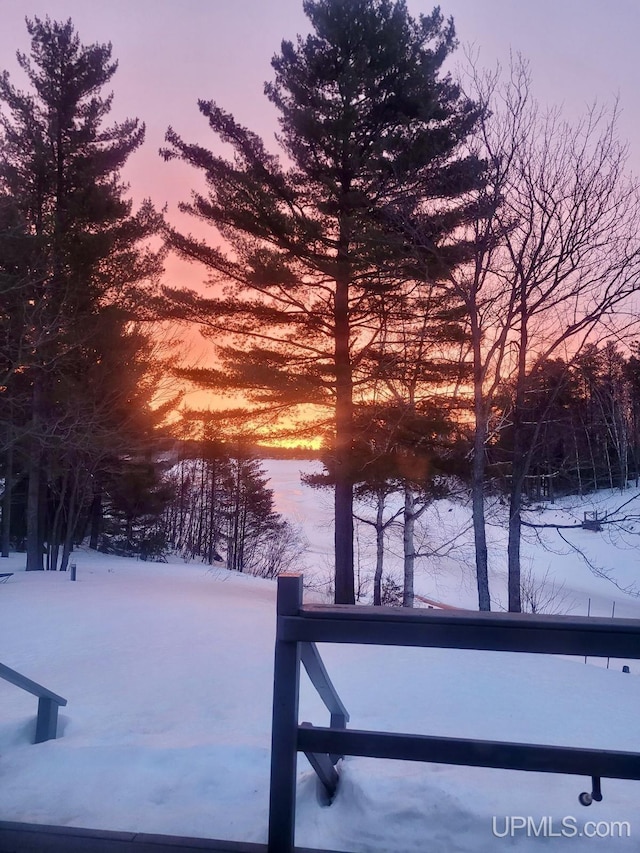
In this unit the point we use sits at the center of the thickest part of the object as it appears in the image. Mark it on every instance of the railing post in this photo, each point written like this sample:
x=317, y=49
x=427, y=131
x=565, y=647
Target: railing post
x=284, y=729
x=47, y=721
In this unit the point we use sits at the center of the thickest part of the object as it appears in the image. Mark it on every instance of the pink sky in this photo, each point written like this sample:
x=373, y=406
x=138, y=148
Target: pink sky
x=172, y=52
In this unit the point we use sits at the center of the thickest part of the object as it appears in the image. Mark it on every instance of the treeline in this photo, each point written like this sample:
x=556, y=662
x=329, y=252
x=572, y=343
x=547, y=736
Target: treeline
x=581, y=420
x=85, y=452
x=79, y=368
x=221, y=511
x=580, y=423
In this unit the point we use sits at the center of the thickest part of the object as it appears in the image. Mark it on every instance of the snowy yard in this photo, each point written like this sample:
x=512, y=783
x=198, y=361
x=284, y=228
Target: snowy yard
x=167, y=669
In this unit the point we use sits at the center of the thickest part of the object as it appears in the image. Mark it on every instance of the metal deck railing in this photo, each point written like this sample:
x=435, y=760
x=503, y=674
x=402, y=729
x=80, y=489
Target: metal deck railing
x=300, y=627
x=48, y=703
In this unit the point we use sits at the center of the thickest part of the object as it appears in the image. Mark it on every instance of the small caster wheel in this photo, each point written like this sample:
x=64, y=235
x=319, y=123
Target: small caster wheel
x=585, y=798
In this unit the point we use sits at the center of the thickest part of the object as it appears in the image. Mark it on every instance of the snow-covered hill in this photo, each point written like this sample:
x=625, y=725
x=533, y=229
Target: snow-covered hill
x=565, y=580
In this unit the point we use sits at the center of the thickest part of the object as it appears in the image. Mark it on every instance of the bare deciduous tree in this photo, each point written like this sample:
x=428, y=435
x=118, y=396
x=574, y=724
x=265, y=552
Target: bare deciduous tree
x=557, y=260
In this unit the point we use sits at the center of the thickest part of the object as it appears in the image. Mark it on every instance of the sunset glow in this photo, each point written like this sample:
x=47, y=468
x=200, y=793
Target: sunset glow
x=171, y=54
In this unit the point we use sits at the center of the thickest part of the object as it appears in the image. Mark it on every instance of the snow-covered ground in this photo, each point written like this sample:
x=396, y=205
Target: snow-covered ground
x=167, y=669
x=564, y=581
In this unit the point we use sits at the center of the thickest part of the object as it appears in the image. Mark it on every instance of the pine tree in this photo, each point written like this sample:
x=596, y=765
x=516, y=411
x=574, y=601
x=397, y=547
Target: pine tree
x=60, y=166
x=369, y=126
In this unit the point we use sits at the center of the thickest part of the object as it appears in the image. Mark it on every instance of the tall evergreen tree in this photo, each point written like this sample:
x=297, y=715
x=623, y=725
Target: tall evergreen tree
x=369, y=124
x=83, y=250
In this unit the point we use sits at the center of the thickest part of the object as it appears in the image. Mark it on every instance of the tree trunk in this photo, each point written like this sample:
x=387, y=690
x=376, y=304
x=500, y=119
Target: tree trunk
x=409, y=545
x=34, y=530
x=519, y=463
x=96, y=514
x=213, y=497
x=344, y=575
x=377, y=578
x=592, y=457
x=73, y=516
x=518, y=471
x=34, y=489
x=61, y=512
x=579, y=474
x=513, y=550
x=477, y=479
x=6, y=499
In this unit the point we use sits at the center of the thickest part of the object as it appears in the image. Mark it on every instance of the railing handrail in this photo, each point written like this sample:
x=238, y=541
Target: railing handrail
x=361, y=612
x=514, y=632
x=472, y=752
x=19, y=680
